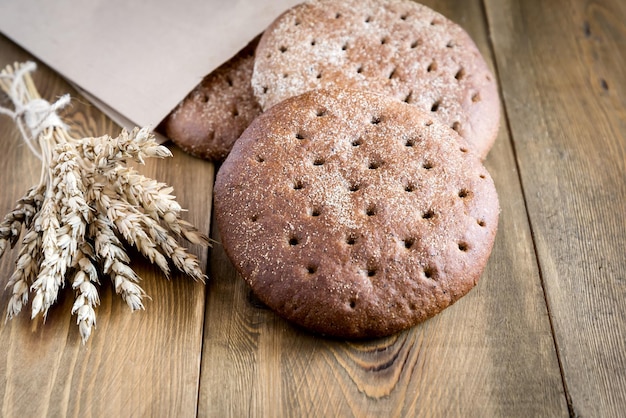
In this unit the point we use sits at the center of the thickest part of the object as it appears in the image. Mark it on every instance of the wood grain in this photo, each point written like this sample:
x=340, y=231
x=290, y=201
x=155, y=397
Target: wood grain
x=491, y=354
x=140, y=364
x=561, y=64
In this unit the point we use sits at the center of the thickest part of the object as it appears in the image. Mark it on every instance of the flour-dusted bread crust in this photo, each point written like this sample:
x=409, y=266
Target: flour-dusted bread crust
x=209, y=120
x=394, y=47
x=353, y=214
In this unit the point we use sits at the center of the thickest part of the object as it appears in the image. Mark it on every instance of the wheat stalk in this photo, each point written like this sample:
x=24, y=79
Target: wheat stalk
x=86, y=201
x=27, y=269
x=115, y=263
x=22, y=215
x=156, y=200
x=86, y=292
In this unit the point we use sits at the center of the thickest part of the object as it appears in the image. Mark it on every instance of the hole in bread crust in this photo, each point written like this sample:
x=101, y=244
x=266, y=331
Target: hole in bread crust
x=460, y=74
x=456, y=126
x=313, y=42
x=359, y=69
x=293, y=241
x=352, y=304
x=432, y=67
x=450, y=44
x=319, y=161
x=344, y=47
x=265, y=89
x=311, y=269
x=429, y=214
x=430, y=272
x=351, y=239
x=354, y=187
x=282, y=49
x=408, y=242
x=404, y=16
x=392, y=74
x=435, y=106
x=463, y=193
x=320, y=112
x=463, y=246
x=427, y=165
x=316, y=212
x=254, y=218
x=383, y=41
x=235, y=112
x=428, y=123
x=410, y=187
x=371, y=210
x=357, y=142
x=482, y=223
x=204, y=98
x=375, y=120
x=415, y=44
x=408, y=97
x=374, y=165
x=409, y=142
x=371, y=271
x=299, y=136
x=260, y=159
x=463, y=149
x=337, y=15
x=298, y=185
x=368, y=19
x=476, y=97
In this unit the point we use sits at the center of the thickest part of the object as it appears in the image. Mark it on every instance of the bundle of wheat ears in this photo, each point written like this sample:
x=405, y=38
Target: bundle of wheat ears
x=87, y=202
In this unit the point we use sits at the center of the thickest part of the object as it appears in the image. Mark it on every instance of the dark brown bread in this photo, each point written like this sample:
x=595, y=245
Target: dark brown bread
x=394, y=47
x=353, y=214
x=209, y=120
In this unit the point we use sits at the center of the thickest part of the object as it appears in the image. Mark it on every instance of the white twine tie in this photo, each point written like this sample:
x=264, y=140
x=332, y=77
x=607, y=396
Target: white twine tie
x=36, y=114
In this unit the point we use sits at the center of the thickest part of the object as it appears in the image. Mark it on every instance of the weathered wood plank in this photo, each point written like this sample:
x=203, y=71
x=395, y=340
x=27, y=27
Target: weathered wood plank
x=491, y=354
x=561, y=65
x=141, y=364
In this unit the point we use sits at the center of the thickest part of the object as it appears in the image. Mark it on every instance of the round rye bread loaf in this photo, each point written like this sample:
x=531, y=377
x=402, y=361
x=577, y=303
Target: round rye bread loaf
x=353, y=214
x=394, y=47
x=209, y=120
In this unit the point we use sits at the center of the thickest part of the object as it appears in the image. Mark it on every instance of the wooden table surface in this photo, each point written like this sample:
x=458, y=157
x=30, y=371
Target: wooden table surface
x=542, y=334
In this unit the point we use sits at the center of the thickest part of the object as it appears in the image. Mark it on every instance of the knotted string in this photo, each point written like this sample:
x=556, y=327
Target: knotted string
x=30, y=111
